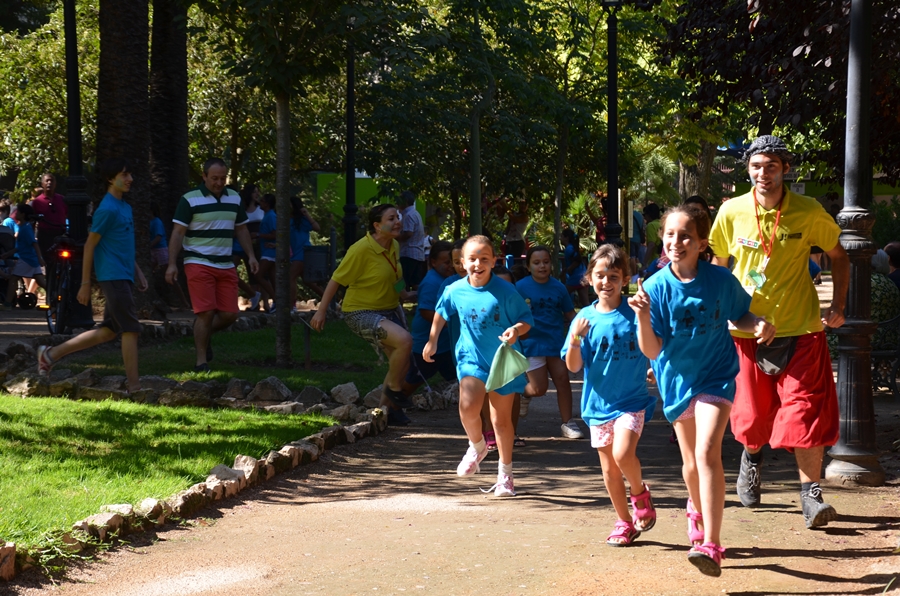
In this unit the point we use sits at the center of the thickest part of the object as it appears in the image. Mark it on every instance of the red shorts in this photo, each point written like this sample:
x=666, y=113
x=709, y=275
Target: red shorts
x=212, y=288
x=798, y=408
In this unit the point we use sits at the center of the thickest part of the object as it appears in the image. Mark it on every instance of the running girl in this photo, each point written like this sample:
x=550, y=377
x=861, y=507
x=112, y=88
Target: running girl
x=614, y=400
x=552, y=309
x=490, y=312
x=302, y=223
x=682, y=316
x=267, y=240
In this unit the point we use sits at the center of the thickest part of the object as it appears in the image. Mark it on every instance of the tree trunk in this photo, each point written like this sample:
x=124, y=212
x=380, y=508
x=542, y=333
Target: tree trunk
x=123, y=112
x=695, y=179
x=561, y=158
x=283, y=230
x=168, y=105
x=457, y=214
x=475, y=134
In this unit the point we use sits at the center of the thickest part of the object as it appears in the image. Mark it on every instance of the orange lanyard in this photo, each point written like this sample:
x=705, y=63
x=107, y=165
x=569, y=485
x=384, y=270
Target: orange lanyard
x=393, y=266
x=767, y=248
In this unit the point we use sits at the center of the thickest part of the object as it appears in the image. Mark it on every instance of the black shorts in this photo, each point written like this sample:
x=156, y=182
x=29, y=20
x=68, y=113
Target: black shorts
x=420, y=371
x=413, y=271
x=120, y=313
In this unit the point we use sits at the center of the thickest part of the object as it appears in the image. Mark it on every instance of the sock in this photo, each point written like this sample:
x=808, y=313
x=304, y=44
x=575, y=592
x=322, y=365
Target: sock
x=755, y=458
x=504, y=469
x=479, y=446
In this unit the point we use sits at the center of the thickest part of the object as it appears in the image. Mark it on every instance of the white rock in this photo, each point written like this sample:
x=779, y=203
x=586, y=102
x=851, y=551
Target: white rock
x=345, y=394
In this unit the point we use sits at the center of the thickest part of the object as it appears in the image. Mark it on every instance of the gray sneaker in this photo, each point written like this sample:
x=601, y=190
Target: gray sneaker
x=748, y=483
x=816, y=513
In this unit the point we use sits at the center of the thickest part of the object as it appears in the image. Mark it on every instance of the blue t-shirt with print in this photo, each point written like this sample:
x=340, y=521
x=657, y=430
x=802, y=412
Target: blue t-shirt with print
x=267, y=226
x=452, y=322
x=698, y=354
x=114, y=254
x=25, y=245
x=549, y=302
x=299, y=237
x=157, y=229
x=429, y=292
x=11, y=224
x=484, y=314
x=615, y=369
x=570, y=255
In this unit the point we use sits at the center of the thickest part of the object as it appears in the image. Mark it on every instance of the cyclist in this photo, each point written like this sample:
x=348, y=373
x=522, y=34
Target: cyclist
x=110, y=245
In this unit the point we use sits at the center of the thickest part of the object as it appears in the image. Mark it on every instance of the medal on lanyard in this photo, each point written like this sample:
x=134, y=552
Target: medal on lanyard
x=758, y=275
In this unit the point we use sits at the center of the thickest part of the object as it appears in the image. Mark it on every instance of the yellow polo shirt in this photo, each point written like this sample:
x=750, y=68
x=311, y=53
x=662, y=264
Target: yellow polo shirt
x=788, y=298
x=370, y=271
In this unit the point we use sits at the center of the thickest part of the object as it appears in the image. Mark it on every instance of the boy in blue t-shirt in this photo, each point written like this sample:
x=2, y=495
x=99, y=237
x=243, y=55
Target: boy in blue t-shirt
x=491, y=312
x=27, y=251
x=110, y=248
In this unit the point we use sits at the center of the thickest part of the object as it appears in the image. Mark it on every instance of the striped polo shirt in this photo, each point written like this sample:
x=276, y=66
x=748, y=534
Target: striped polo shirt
x=210, y=224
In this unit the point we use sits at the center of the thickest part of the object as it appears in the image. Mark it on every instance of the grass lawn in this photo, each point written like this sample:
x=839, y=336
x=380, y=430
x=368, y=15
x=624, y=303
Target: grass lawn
x=338, y=356
x=61, y=460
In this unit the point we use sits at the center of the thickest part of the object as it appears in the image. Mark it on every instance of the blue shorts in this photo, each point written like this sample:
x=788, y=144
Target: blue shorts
x=420, y=371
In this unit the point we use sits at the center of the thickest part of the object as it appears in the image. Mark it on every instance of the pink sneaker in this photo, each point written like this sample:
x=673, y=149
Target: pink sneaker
x=44, y=362
x=503, y=487
x=470, y=461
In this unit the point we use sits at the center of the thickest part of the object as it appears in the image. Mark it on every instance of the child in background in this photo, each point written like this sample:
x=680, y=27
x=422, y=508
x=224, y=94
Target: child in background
x=552, y=309
x=573, y=266
x=490, y=312
x=614, y=400
x=27, y=251
x=267, y=242
x=501, y=272
x=682, y=320
x=159, y=246
x=302, y=223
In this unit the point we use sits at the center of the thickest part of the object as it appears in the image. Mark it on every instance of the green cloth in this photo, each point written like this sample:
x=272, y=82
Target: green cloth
x=508, y=364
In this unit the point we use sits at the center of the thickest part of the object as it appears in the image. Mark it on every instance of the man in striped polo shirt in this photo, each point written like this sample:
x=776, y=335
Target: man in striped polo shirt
x=206, y=221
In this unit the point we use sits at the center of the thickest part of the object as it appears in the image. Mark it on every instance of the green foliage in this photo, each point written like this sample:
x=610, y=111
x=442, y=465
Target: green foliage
x=33, y=95
x=887, y=222
x=22, y=16
x=62, y=460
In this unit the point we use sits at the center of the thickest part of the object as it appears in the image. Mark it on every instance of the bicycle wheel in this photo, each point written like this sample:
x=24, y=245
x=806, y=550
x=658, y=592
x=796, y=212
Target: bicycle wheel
x=57, y=314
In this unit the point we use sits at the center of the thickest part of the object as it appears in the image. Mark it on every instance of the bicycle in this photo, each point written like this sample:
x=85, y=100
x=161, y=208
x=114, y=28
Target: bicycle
x=60, y=293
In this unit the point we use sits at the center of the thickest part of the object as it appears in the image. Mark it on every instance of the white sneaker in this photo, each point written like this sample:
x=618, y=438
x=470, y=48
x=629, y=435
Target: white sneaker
x=503, y=487
x=524, y=402
x=469, y=464
x=570, y=430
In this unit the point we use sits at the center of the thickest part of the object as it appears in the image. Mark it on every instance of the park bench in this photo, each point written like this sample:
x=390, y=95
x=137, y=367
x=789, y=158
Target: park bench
x=886, y=360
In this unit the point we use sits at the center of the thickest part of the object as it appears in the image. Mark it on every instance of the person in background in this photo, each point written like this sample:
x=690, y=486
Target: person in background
x=267, y=232
x=893, y=252
x=53, y=212
x=302, y=223
x=250, y=198
x=412, y=241
x=516, y=225
x=573, y=267
x=159, y=247
x=651, y=233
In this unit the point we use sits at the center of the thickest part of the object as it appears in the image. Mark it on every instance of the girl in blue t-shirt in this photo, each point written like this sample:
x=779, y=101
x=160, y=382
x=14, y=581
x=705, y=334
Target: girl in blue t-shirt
x=683, y=314
x=573, y=266
x=490, y=312
x=266, y=272
x=552, y=309
x=614, y=400
x=302, y=223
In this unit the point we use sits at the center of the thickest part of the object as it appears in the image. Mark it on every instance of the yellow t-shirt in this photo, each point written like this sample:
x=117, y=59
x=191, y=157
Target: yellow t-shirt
x=788, y=297
x=370, y=273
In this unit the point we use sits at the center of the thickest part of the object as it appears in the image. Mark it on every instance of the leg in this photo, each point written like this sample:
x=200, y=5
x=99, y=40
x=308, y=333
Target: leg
x=471, y=398
x=624, y=452
x=296, y=273
x=83, y=341
x=809, y=463
x=537, y=382
x=130, y=358
x=501, y=418
x=41, y=281
x=203, y=325
x=686, y=431
x=615, y=485
x=710, y=422
x=560, y=375
x=397, y=346
x=265, y=271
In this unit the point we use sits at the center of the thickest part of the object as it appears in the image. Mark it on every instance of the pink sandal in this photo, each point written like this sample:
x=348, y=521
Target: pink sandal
x=644, y=517
x=695, y=519
x=490, y=440
x=707, y=558
x=623, y=534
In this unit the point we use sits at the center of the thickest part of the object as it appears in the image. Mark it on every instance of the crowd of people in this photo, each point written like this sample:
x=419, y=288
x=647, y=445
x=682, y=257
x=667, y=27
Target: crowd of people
x=726, y=323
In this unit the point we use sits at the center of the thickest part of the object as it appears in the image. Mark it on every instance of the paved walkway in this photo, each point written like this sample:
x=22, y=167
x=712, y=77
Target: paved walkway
x=388, y=515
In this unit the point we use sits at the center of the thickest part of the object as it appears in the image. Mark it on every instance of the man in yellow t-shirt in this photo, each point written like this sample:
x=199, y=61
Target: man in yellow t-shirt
x=769, y=232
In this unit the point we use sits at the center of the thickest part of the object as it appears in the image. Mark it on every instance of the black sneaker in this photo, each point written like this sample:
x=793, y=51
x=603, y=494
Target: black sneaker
x=398, y=398
x=201, y=368
x=397, y=417
x=748, y=483
x=816, y=513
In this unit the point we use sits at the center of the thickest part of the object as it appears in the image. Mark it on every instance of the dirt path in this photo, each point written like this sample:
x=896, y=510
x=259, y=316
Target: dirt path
x=389, y=516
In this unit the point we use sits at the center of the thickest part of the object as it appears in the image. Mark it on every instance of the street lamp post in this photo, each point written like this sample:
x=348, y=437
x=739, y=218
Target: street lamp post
x=351, y=217
x=854, y=457
x=613, y=228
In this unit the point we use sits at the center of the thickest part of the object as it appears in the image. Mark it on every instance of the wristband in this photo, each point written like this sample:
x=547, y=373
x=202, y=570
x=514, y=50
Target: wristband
x=577, y=338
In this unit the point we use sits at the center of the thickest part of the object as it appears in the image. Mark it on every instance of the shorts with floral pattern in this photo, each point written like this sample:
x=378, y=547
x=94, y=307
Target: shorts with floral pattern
x=706, y=398
x=366, y=324
x=602, y=434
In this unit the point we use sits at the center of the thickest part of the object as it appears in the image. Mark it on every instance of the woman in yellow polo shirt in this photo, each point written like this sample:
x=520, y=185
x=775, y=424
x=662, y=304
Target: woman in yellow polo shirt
x=373, y=277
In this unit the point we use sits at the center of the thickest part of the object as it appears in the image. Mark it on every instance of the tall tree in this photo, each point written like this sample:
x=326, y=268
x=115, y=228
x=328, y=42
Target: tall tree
x=123, y=108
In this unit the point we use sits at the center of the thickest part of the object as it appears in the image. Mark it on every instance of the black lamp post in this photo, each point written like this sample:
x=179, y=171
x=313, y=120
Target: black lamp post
x=613, y=228
x=854, y=457
x=351, y=219
x=76, y=184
